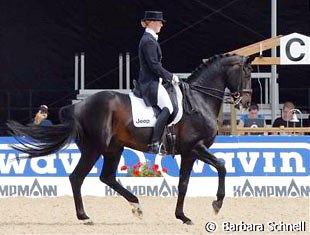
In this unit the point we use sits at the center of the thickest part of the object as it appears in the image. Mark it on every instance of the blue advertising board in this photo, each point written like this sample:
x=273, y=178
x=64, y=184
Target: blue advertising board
x=243, y=156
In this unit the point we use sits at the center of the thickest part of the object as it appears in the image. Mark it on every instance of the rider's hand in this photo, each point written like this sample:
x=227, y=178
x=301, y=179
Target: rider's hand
x=175, y=80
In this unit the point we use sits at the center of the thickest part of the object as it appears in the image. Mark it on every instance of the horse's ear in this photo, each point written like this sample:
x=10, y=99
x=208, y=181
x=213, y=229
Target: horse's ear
x=250, y=58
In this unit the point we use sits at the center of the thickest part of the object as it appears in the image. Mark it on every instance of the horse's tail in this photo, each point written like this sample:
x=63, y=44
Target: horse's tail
x=43, y=140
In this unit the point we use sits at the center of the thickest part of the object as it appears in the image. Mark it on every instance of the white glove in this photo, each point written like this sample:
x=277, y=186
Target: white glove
x=175, y=80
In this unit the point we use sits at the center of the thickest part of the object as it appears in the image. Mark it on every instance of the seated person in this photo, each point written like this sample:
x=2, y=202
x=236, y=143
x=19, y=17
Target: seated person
x=253, y=119
x=286, y=117
x=41, y=117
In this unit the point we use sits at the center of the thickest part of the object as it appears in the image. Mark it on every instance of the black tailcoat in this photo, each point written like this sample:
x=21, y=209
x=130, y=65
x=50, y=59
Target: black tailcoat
x=151, y=68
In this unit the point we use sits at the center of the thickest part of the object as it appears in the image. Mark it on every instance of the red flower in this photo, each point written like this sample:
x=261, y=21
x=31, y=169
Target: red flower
x=144, y=170
x=136, y=172
x=123, y=168
x=137, y=165
x=155, y=167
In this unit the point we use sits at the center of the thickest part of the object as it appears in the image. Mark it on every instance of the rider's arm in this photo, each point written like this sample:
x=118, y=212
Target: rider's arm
x=149, y=50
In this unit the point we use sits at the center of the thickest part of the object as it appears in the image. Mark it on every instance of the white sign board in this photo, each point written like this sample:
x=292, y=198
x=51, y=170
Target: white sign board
x=295, y=49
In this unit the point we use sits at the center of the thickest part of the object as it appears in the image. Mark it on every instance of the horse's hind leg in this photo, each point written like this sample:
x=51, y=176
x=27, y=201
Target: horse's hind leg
x=85, y=164
x=108, y=176
x=204, y=155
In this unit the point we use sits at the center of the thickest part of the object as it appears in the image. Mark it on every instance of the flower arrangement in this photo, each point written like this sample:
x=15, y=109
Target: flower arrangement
x=144, y=170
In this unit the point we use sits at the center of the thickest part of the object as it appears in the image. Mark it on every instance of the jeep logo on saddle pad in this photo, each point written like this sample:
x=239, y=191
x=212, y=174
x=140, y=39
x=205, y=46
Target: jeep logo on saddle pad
x=146, y=121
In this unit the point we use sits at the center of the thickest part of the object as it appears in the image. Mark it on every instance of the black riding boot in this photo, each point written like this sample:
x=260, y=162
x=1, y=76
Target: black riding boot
x=159, y=129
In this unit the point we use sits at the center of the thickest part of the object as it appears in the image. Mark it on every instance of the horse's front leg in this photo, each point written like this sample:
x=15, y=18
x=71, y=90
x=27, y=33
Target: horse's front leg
x=204, y=155
x=187, y=163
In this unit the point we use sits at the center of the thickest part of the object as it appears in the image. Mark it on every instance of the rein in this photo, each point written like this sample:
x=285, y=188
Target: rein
x=221, y=94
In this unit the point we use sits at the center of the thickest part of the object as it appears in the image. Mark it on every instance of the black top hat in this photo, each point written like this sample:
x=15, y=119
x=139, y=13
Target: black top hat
x=153, y=15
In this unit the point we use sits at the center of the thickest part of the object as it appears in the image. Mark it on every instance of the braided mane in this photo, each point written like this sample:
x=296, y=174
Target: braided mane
x=207, y=63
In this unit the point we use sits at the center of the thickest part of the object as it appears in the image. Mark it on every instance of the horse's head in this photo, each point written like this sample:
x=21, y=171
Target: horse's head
x=239, y=80
x=221, y=71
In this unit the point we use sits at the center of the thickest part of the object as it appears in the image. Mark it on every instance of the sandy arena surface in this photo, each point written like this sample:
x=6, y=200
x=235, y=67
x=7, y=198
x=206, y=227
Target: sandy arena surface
x=112, y=215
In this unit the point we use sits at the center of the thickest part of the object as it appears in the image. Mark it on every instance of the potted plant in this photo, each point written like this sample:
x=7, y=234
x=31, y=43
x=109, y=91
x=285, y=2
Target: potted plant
x=146, y=179
x=145, y=169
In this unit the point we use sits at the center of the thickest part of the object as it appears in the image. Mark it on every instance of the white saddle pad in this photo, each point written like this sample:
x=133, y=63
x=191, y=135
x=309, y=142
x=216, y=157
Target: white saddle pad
x=144, y=116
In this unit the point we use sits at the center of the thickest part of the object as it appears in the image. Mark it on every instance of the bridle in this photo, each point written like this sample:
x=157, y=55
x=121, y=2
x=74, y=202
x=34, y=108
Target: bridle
x=226, y=97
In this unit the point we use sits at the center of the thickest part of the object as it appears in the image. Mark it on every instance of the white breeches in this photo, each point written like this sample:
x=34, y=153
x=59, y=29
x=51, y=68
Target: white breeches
x=163, y=99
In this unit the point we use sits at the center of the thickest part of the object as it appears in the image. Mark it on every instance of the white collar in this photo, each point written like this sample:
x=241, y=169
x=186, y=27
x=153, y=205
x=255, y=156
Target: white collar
x=152, y=32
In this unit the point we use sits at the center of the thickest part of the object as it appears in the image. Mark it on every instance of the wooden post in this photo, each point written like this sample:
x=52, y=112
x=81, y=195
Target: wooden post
x=265, y=61
x=258, y=47
x=233, y=120
x=220, y=121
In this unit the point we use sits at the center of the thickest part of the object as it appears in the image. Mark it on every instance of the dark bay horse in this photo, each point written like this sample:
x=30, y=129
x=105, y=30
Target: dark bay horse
x=102, y=125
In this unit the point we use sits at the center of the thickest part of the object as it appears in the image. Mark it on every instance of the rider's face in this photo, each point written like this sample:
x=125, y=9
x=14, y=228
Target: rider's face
x=155, y=25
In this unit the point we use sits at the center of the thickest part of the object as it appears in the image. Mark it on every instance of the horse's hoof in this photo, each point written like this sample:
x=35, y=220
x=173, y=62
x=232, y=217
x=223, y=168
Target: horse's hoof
x=189, y=222
x=88, y=222
x=184, y=219
x=216, y=206
x=137, y=210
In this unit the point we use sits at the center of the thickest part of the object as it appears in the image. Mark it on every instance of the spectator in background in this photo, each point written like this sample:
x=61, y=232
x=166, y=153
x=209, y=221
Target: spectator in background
x=286, y=117
x=41, y=117
x=253, y=119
